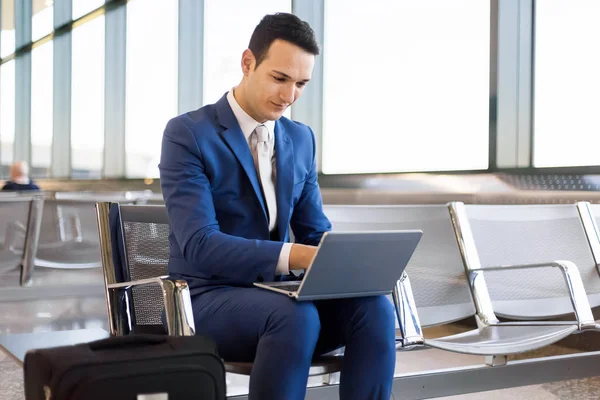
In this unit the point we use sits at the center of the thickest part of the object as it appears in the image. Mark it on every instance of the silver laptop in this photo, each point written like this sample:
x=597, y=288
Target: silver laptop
x=353, y=264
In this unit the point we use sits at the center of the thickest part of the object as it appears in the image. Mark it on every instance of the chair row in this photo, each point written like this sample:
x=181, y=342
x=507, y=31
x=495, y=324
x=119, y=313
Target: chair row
x=40, y=230
x=528, y=263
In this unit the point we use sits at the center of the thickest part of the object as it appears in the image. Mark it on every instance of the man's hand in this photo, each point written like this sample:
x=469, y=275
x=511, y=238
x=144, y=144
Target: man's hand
x=301, y=256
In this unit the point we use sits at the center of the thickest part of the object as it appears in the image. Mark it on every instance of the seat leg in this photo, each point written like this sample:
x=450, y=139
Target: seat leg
x=495, y=361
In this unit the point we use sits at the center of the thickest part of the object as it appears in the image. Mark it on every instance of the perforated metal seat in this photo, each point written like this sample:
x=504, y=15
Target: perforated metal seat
x=147, y=252
x=438, y=291
x=513, y=235
x=135, y=254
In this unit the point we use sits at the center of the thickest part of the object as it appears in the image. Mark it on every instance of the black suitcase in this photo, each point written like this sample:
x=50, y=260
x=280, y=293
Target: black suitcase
x=132, y=367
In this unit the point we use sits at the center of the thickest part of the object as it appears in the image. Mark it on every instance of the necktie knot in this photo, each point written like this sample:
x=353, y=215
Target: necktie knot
x=262, y=133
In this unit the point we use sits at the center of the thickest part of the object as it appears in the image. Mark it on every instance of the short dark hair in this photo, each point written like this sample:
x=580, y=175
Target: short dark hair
x=282, y=26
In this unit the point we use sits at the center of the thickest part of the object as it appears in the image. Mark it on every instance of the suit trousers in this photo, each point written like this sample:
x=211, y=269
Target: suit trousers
x=281, y=336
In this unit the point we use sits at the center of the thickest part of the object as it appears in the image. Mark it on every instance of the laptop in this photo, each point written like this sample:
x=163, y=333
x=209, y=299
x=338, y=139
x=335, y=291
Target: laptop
x=352, y=264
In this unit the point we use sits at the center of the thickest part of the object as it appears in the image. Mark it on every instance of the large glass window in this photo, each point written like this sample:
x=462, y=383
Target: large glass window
x=41, y=109
x=87, y=91
x=42, y=22
x=7, y=35
x=567, y=83
x=7, y=115
x=151, y=82
x=227, y=29
x=82, y=7
x=406, y=85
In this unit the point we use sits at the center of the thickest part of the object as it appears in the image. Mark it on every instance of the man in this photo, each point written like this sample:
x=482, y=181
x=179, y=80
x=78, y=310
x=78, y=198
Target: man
x=235, y=175
x=19, y=178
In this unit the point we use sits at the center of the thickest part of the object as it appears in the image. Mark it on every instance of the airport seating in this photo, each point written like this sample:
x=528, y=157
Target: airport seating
x=68, y=235
x=440, y=287
x=534, y=250
x=444, y=279
x=69, y=232
x=62, y=234
x=21, y=218
x=442, y=293
x=135, y=253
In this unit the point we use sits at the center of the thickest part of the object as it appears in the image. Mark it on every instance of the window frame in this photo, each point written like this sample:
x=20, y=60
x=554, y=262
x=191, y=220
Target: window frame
x=512, y=50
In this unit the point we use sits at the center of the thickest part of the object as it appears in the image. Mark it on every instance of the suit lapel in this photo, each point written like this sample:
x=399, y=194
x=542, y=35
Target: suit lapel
x=284, y=162
x=236, y=141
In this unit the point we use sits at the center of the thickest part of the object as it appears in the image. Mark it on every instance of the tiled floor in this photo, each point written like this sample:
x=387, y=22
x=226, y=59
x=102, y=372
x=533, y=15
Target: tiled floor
x=52, y=315
x=40, y=316
x=52, y=277
x=73, y=313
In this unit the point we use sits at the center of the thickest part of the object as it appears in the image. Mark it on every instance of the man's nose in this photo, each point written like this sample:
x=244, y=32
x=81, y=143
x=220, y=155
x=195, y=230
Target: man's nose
x=288, y=93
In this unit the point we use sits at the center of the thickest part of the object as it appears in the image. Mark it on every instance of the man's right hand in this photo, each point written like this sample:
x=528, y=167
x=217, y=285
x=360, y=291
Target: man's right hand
x=301, y=256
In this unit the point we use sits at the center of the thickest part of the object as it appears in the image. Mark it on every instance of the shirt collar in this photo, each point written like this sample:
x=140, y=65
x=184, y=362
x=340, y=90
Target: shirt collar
x=246, y=122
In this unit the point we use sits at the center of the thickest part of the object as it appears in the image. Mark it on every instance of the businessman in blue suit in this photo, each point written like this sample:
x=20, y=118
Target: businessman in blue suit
x=235, y=176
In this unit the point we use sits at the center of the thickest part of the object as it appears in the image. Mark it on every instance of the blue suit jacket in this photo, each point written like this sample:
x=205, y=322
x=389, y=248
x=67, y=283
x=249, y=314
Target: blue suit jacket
x=219, y=233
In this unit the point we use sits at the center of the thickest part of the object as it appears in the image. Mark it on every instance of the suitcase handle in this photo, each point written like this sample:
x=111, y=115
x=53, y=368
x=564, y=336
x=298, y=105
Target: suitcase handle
x=131, y=340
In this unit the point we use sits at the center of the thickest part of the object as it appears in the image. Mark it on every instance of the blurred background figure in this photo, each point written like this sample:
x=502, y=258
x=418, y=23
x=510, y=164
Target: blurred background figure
x=19, y=178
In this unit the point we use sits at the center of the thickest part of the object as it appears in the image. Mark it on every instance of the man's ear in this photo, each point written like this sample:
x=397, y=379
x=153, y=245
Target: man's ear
x=248, y=61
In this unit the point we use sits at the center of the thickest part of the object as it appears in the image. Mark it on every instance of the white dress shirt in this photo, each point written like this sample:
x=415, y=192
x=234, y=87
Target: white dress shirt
x=248, y=125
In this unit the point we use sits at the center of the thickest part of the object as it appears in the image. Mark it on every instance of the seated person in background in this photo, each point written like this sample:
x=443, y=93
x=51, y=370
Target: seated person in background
x=235, y=175
x=19, y=178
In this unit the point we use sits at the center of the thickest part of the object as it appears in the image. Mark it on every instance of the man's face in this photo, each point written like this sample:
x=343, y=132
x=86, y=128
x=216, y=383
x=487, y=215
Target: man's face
x=278, y=81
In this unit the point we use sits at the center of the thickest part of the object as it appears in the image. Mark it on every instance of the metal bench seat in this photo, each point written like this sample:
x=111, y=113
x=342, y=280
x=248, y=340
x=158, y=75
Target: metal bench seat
x=503, y=339
x=441, y=288
x=509, y=239
x=319, y=366
x=135, y=251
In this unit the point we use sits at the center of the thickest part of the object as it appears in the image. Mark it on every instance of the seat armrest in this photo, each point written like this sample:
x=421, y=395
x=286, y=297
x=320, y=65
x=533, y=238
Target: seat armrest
x=406, y=313
x=177, y=301
x=140, y=282
x=579, y=300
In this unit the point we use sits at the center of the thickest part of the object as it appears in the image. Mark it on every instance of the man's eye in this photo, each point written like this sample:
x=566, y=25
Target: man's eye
x=278, y=79
x=301, y=84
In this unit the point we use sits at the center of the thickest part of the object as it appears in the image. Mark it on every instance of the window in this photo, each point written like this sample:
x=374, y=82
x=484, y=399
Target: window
x=405, y=81
x=42, y=22
x=227, y=29
x=566, y=130
x=7, y=35
x=82, y=7
x=41, y=109
x=7, y=115
x=87, y=107
x=151, y=82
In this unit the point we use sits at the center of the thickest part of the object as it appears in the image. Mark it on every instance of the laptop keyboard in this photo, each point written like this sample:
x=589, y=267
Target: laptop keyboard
x=290, y=287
